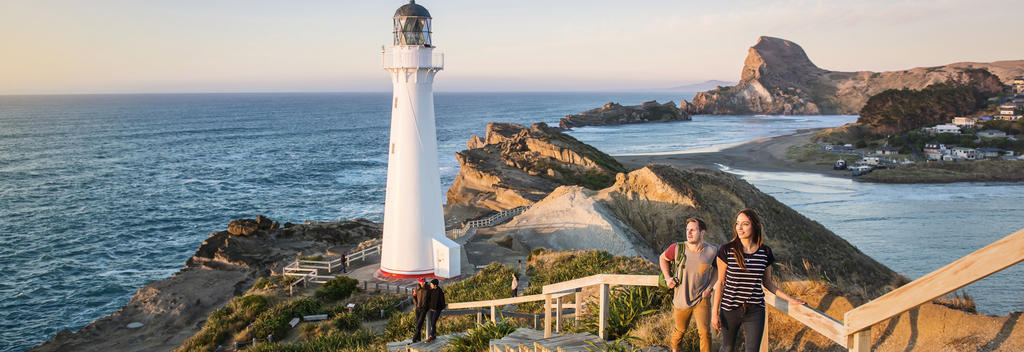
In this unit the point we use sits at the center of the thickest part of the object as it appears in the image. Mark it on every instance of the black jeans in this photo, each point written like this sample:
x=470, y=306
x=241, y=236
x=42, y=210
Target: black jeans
x=751, y=316
x=435, y=315
x=421, y=315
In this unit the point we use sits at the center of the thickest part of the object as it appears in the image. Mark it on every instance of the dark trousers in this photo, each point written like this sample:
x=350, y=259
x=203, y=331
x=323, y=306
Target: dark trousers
x=421, y=315
x=751, y=317
x=435, y=315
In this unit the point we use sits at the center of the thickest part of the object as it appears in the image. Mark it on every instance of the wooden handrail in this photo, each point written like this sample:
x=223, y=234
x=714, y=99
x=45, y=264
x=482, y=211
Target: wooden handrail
x=610, y=279
x=984, y=262
x=813, y=318
x=504, y=301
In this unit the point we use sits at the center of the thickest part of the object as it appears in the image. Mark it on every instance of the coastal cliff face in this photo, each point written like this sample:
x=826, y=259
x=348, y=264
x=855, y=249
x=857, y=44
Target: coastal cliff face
x=514, y=166
x=224, y=266
x=615, y=114
x=779, y=78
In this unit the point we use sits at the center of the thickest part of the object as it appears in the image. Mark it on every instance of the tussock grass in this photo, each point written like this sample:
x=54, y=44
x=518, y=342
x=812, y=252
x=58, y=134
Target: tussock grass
x=224, y=321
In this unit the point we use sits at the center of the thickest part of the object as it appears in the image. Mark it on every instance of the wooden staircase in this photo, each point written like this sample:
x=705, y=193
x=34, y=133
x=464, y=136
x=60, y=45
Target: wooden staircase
x=530, y=340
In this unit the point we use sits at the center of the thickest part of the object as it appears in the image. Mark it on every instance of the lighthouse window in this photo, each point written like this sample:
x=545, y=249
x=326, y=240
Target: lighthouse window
x=412, y=31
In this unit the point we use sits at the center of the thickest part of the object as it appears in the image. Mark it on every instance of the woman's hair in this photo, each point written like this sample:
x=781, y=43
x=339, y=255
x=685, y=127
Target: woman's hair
x=756, y=232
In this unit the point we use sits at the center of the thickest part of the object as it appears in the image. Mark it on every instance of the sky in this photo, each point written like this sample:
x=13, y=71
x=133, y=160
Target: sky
x=131, y=46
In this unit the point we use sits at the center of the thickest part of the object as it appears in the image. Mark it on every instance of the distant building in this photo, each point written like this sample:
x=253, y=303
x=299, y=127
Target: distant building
x=964, y=121
x=1007, y=110
x=935, y=150
x=964, y=153
x=991, y=134
x=870, y=160
x=947, y=128
x=986, y=153
x=839, y=148
x=887, y=150
x=1018, y=85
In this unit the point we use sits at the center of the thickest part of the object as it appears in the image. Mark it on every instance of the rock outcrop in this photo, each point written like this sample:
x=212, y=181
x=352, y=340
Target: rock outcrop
x=224, y=266
x=779, y=78
x=514, y=166
x=648, y=207
x=615, y=114
x=572, y=218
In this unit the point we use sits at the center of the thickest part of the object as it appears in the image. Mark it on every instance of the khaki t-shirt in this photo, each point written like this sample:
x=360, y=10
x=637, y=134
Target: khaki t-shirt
x=698, y=275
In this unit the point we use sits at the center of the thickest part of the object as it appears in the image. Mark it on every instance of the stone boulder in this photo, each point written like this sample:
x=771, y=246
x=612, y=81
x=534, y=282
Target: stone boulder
x=243, y=227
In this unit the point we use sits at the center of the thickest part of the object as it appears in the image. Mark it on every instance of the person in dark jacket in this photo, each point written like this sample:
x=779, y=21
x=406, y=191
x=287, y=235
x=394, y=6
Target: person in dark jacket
x=420, y=300
x=436, y=305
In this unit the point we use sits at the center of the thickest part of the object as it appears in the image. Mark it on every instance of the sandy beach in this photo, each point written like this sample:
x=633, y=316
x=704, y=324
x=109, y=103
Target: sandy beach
x=766, y=154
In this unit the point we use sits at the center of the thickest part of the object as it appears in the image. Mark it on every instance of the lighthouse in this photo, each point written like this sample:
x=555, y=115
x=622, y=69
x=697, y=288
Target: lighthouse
x=414, y=242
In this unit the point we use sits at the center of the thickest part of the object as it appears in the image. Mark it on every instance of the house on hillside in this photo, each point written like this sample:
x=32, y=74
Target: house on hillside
x=986, y=153
x=946, y=128
x=1018, y=85
x=963, y=121
x=1007, y=111
x=887, y=150
x=935, y=150
x=991, y=134
x=963, y=153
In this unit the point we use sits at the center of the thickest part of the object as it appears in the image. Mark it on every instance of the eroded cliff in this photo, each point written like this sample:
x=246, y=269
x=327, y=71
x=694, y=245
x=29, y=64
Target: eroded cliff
x=778, y=78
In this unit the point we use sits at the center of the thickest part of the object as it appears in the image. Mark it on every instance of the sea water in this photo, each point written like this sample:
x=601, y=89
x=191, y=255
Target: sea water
x=101, y=194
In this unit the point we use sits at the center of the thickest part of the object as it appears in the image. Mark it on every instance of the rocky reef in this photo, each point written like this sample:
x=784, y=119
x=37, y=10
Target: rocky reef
x=224, y=266
x=779, y=78
x=515, y=165
x=615, y=114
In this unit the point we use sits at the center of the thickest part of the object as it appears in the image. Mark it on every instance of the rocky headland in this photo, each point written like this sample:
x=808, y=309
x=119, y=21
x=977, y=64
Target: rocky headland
x=226, y=265
x=779, y=78
x=513, y=165
x=615, y=114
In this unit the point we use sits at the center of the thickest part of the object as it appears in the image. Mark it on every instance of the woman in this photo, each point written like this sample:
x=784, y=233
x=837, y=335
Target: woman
x=744, y=266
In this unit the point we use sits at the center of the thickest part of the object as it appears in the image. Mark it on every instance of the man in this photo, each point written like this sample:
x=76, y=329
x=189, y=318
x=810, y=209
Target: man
x=690, y=271
x=436, y=305
x=420, y=300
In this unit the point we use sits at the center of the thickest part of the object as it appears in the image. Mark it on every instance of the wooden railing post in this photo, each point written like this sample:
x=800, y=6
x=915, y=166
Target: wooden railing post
x=576, y=312
x=558, y=315
x=479, y=317
x=547, y=315
x=859, y=341
x=494, y=315
x=603, y=317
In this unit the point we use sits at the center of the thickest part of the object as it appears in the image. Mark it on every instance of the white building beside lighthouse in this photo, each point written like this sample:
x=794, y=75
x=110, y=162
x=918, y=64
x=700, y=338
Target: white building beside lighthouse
x=414, y=243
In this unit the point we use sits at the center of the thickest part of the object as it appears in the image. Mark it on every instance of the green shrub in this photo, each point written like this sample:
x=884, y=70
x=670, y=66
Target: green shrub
x=478, y=339
x=337, y=288
x=400, y=326
x=359, y=340
x=234, y=316
x=548, y=267
x=492, y=282
x=275, y=321
x=314, y=258
x=619, y=345
x=626, y=306
x=370, y=310
x=346, y=322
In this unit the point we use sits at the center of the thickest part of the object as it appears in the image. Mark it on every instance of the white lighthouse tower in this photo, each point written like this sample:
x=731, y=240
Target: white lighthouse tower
x=414, y=243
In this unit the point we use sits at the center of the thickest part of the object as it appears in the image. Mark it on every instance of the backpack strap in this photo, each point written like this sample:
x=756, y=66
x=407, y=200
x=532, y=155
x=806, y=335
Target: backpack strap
x=681, y=261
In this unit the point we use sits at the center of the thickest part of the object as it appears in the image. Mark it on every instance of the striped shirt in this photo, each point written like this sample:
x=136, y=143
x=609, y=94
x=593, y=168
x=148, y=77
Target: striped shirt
x=744, y=286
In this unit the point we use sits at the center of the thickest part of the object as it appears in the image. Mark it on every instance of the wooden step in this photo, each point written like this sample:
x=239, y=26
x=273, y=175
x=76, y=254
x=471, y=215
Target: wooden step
x=433, y=346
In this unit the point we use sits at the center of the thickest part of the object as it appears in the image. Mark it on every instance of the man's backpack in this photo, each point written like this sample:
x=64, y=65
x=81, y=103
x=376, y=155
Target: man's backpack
x=679, y=263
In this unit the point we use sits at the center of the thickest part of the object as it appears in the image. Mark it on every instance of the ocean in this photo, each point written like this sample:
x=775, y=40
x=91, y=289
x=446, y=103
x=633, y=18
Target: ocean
x=101, y=194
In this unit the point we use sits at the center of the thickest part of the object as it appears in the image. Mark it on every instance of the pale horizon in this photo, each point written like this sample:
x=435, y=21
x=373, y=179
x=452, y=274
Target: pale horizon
x=130, y=47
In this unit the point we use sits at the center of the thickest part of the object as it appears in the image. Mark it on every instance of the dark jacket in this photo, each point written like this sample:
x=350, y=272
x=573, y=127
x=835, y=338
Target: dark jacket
x=420, y=298
x=436, y=299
